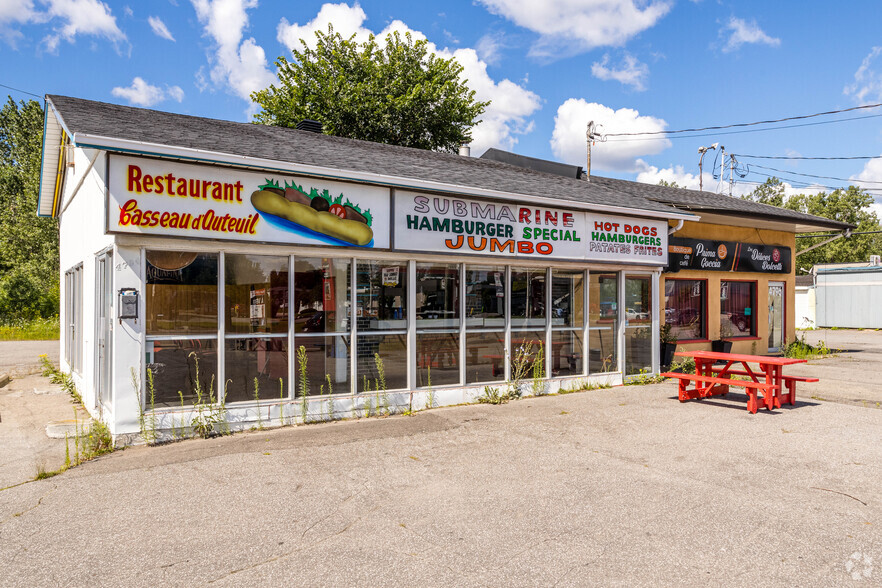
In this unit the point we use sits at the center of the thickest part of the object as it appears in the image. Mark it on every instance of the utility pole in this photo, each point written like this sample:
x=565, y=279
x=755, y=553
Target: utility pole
x=701, y=152
x=731, y=173
x=589, y=136
x=722, y=166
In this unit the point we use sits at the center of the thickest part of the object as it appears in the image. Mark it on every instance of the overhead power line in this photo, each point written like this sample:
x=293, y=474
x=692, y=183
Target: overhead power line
x=814, y=176
x=811, y=124
x=750, y=124
x=810, y=158
x=18, y=90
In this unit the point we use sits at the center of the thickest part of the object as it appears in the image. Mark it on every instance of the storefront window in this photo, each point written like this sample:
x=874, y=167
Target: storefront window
x=321, y=295
x=392, y=352
x=327, y=358
x=737, y=309
x=256, y=294
x=527, y=297
x=638, y=324
x=566, y=353
x=381, y=298
x=438, y=322
x=567, y=298
x=184, y=371
x=264, y=359
x=485, y=296
x=685, y=308
x=485, y=357
x=181, y=293
x=603, y=322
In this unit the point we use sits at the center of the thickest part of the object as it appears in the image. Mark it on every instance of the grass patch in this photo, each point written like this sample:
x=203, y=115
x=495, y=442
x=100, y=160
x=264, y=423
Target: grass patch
x=40, y=329
x=802, y=349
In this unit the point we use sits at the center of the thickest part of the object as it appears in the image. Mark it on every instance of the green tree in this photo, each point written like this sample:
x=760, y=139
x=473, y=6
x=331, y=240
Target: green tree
x=399, y=93
x=28, y=243
x=851, y=205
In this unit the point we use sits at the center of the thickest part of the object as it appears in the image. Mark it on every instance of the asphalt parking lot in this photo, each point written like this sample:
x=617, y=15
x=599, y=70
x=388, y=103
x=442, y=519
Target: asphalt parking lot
x=621, y=486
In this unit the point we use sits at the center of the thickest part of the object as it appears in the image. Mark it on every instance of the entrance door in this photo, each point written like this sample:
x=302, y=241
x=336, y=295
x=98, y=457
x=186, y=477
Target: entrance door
x=776, y=316
x=638, y=324
x=104, y=307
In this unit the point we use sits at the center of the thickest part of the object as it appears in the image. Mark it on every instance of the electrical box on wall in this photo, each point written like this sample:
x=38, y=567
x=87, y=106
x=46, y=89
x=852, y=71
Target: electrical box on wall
x=128, y=303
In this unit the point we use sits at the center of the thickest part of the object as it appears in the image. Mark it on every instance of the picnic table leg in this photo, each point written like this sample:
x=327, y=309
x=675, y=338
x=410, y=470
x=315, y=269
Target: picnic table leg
x=681, y=390
x=768, y=395
x=791, y=392
x=780, y=389
x=751, y=400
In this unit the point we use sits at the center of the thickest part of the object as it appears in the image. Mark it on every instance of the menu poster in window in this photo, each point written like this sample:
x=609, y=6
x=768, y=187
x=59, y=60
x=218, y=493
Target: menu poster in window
x=161, y=197
x=727, y=256
x=390, y=276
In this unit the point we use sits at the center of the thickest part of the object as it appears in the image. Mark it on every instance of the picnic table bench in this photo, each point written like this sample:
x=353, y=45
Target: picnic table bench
x=712, y=380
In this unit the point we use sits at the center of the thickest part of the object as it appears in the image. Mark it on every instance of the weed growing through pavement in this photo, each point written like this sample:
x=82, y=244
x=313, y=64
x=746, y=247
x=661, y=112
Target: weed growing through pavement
x=56, y=376
x=303, y=383
x=282, y=402
x=583, y=386
x=330, y=397
x=802, y=349
x=382, y=397
x=492, y=395
x=645, y=376
x=257, y=400
x=430, y=393
x=521, y=364
x=539, y=372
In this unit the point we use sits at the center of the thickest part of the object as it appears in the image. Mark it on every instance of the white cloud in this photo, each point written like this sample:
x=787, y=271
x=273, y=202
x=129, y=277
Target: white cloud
x=741, y=32
x=631, y=72
x=579, y=25
x=141, y=93
x=653, y=175
x=239, y=65
x=14, y=12
x=489, y=48
x=511, y=104
x=159, y=28
x=872, y=172
x=568, y=142
x=867, y=81
x=81, y=17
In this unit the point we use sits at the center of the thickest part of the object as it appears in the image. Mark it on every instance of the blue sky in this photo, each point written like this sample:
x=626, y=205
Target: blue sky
x=547, y=66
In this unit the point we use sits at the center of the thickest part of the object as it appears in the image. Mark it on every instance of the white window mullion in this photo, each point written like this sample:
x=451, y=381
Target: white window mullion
x=221, y=328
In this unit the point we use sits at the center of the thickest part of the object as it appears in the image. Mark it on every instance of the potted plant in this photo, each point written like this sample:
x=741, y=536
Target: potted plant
x=721, y=345
x=667, y=347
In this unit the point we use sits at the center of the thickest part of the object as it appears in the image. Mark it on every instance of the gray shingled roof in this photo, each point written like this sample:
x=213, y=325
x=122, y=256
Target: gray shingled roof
x=693, y=200
x=86, y=117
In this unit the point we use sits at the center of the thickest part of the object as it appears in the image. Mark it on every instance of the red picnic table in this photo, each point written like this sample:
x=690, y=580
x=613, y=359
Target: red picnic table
x=712, y=380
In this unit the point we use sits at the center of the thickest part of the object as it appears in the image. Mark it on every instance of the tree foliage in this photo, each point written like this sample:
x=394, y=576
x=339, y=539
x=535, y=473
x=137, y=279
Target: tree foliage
x=28, y=243
x=399, y=93
x=851, y=205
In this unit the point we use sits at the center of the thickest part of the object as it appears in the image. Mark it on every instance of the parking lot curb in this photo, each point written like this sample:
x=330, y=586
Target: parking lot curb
x=4, y=379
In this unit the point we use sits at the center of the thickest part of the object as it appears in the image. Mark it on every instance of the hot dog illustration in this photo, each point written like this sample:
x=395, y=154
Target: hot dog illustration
x=315, y=212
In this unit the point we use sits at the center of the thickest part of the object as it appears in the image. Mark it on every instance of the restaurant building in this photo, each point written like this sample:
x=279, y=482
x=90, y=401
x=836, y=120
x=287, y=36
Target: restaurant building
x=208, y=261
x=731, y=276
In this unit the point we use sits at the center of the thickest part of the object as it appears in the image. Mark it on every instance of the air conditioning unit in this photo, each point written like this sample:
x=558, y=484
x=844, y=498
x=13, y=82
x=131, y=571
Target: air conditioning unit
x=876, y=260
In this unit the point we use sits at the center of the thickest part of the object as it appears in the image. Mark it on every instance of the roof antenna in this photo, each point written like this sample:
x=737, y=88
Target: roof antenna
x=590, y=136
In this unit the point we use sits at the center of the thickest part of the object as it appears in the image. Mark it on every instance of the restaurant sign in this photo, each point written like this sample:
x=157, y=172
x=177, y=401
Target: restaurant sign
x=468, y=226
x=160, y=197
x=727, y=256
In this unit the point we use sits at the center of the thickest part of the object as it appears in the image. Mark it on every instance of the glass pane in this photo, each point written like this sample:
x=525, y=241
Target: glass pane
x=326, y=357
x=525, y=347
x=381, y=296
x=684, y=308
x=776, y=316
x=437, y=359
x=175, y=364
x=485, y=296
x=638, y=302
x=264, y=359
x=256, y=293
x=638, y=325
x=567, y=298
x=181, y=293
x=484, y=357
x=602, y=320
x=566, y=353
x=528, y=297
x=321, y=295
x=437, y=294
x=737, y=306
x=392, y=350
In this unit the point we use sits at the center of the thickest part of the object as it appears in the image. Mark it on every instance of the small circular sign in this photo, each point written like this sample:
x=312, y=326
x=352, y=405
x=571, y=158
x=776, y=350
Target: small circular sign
x=722, y=252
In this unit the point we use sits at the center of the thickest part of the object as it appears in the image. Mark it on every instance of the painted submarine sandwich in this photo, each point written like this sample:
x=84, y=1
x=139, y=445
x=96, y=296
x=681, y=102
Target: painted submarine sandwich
x=316, y=212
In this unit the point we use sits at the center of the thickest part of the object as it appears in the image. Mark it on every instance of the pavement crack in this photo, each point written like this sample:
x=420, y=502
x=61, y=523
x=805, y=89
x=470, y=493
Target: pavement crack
x=27, y=510
x=838, y=492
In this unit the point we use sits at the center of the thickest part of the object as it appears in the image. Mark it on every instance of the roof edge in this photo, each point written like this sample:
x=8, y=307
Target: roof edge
x=208, y=156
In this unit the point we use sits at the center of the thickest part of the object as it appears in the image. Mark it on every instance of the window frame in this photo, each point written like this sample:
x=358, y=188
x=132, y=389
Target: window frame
x=704, y=310
x=753, y=314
